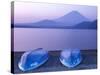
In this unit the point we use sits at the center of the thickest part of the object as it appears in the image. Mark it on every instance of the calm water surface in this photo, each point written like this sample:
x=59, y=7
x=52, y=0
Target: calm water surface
x=53, y=39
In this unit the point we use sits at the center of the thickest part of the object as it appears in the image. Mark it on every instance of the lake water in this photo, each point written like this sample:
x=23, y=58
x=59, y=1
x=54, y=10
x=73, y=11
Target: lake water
x=54, y=39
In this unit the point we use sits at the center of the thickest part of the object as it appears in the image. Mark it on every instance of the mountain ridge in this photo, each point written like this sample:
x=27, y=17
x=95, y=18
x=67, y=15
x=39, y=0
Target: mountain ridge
x=72, y=20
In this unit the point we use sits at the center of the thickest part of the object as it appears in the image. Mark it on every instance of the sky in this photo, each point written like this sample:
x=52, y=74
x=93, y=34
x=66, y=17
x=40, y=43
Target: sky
x=27, y=12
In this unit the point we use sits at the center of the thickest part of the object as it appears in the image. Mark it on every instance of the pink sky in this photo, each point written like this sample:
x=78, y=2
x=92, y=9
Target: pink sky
x=26, y=12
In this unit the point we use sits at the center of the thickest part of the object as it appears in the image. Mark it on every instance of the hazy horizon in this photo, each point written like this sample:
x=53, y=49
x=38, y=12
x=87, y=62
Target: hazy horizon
x=33, y=12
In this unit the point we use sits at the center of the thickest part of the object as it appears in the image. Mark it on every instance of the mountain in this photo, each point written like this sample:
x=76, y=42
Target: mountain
x=86, y=25
x=41, y=24
x=53, y=24
x=47, y=23
x=72, y=18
